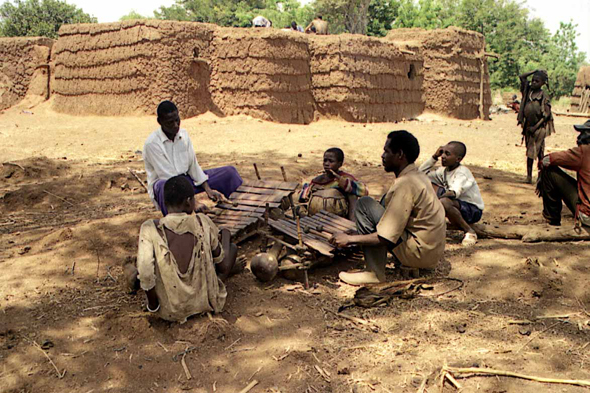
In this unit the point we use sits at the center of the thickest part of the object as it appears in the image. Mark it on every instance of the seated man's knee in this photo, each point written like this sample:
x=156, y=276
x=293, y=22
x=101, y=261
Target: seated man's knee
x=447, y=203
x=362, y=205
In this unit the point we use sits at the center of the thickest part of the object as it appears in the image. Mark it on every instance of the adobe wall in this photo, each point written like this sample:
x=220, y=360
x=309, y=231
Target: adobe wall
x=452, y=69
x=127, y=68
x=23, y=69
x=582, y=83
x=364, y=79
x=263, y=73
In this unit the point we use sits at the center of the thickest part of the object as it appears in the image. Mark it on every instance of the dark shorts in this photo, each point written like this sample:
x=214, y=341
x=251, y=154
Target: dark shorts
x=470, y=213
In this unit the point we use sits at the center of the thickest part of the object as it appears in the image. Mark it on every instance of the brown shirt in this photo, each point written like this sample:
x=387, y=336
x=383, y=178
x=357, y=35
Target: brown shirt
x=415, y=215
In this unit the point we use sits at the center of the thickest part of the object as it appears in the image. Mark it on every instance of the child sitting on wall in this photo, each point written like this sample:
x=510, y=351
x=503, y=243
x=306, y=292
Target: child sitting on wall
x=334, y=190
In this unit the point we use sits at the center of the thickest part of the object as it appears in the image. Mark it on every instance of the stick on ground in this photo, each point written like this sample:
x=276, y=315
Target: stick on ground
x=490, y=371
x=59, y=375
x=14, y=164
x=58, y=197
x=185, y=368
x=249, y=387
x=138, y=179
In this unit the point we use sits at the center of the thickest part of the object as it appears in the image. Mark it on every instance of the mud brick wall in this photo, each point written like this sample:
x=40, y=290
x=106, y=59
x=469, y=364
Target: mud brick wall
x=23, y=68
x=582, y=84
x=127, y=68
x=263, y=73
x=452, y=69
x=365, y=79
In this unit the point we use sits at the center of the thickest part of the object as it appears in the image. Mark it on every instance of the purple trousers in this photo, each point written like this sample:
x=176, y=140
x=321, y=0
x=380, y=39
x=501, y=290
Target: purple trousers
x=225, y=180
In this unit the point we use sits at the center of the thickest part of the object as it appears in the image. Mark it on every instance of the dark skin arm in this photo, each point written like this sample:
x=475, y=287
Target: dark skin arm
x=539, y=124
x=230, y=252
x=436, y=156
x=342, y=240
x=524, y=76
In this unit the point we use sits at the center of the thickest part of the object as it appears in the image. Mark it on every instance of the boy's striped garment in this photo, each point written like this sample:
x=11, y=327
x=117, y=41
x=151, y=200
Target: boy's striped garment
x=353, y=186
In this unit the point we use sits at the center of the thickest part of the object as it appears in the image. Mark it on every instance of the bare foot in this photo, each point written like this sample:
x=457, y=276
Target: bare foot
x=238, y=266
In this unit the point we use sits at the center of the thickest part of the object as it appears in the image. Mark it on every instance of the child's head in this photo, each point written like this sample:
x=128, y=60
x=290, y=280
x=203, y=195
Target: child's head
x=179, y=195
x=333, y=159
x=540, y=78
x=453, y=153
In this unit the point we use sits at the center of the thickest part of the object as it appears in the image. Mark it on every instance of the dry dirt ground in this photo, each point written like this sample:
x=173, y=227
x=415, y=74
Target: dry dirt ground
x=70, y=214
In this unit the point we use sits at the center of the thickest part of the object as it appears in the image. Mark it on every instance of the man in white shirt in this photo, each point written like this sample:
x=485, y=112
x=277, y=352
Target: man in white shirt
x=169, y=152
x=456, y=188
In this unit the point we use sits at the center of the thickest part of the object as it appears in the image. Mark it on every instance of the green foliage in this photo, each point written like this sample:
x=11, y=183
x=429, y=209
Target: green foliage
x=350, y=16
x=35, y=18
x=237, y=13
x=134, y=15
x=523, y=43
x=382, y=14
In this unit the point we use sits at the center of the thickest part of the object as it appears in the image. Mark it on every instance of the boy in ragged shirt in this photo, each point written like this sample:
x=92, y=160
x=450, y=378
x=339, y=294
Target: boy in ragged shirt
x=183, y=257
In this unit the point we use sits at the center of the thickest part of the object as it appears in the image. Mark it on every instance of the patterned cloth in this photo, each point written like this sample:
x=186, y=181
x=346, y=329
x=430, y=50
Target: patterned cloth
x=352, y=186
x=193, y=292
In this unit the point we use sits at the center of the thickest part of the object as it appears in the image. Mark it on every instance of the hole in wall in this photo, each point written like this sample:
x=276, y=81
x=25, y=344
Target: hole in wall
x=412, y=72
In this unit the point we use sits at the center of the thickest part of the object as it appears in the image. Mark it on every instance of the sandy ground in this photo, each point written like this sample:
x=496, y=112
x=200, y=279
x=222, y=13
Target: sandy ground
x=70, y=214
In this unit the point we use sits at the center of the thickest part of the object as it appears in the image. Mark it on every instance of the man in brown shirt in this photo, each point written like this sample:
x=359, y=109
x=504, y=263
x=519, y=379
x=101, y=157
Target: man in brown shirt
x=555, y=185
x=409, y=221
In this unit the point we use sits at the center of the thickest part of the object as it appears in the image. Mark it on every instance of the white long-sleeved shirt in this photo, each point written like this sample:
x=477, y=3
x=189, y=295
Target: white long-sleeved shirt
x=460, y=180
x=164, y=159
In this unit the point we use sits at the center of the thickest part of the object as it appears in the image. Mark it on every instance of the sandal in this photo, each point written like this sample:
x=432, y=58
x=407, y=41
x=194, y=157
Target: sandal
x=469, y=240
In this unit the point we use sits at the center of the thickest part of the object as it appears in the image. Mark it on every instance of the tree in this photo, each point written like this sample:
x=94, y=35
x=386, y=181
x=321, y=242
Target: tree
x=35, y=18
x=381, y=16
x=134, y=15
x=237, y=13
x=563, y=60
x=350, y=16
x=523, y=43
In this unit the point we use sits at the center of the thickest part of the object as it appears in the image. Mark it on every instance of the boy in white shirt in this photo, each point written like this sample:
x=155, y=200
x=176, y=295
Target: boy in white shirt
x=456, y=188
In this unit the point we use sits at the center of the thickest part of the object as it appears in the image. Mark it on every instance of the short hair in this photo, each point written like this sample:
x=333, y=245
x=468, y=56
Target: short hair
x=320, y=17
x=460, y=147
x=177, y=190
x=166, y=107
x=337, y=152
x=404, y=141
x=294, y=25
x=541, y=74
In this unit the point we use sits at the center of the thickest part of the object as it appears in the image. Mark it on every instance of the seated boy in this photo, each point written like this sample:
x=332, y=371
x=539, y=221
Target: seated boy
x=182, y=257
x=456, y=188
x=334, y=178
